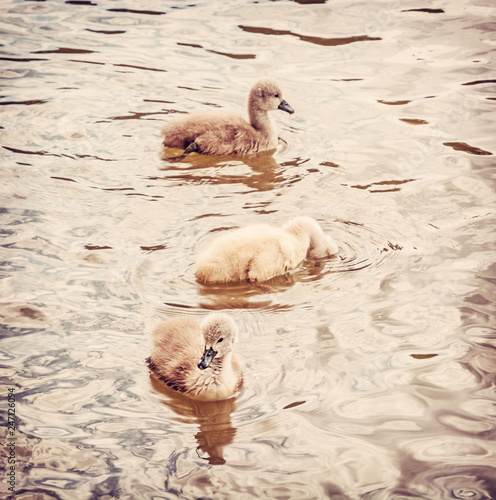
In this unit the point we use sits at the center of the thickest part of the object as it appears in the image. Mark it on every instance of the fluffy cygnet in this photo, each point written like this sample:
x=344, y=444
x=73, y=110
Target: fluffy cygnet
x=221, y=133
x=197, y=359
x=261, y=251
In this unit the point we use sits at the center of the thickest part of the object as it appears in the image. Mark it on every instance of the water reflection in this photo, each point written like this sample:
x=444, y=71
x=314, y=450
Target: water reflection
x=215, y=430
x=243, y=295
x=264, y=173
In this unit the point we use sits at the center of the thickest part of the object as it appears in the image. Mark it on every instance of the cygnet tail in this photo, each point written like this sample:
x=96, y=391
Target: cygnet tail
x=208, y=272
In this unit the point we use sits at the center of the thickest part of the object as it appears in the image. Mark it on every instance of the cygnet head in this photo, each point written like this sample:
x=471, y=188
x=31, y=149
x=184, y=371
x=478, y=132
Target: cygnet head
x=319, y=244
x=219, y=332
x=266, y=94
x=325, y=247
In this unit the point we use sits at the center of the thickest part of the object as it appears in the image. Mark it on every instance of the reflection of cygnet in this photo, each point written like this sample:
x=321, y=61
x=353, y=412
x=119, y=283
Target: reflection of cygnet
x=221, y=133
x=260, y=252
x=197, y=359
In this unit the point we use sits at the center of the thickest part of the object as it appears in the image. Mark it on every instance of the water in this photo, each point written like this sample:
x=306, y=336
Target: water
x=368, y=376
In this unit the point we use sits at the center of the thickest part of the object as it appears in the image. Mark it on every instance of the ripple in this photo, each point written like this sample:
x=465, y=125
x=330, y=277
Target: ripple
x=361, y=246
x=463, y=146
x=326, y=42
x=426, y=10
x=463, y=482
x=46, y=432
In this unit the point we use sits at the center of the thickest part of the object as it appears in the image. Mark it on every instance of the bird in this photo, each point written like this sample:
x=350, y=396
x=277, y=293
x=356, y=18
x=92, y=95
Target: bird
x=261, y=251
x=225, y=133
x=197, y=359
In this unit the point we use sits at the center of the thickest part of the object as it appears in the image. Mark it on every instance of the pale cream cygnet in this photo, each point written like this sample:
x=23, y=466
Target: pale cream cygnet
x=260, y=252
x=197, y=359
x=223, y=133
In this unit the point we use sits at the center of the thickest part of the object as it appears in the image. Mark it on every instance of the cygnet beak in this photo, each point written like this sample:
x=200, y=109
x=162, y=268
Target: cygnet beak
x=207, y=358
x=284, y=106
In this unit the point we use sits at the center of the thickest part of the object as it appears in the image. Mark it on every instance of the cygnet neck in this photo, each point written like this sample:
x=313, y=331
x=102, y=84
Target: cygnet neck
x=223, y=362
x=224, y=368
x=259, y=118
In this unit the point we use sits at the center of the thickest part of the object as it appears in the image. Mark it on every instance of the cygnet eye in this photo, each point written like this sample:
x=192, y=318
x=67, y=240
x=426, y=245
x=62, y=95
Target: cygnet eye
x=220, y=340
x=276, y=95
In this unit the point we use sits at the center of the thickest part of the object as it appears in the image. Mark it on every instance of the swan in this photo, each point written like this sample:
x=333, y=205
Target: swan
x=197, y=359
x=223, y=133
x=260, y=252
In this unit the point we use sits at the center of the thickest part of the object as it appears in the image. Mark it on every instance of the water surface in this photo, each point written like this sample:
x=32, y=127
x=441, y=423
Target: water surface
x=367, y=376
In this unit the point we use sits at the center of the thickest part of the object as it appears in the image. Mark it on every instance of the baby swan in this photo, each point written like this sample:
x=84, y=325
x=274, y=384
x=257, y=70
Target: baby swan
x=260, y=252
x=221, y=133
x=197, y=359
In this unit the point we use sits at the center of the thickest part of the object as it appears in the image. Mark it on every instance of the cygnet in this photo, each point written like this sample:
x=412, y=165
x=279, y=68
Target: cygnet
x=197, y=359
x=223, y=133
x=260, y=252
